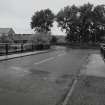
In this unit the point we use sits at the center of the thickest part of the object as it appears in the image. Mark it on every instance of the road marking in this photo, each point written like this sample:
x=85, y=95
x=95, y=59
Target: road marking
x=48, y=59
x=61, y=54
x=65, y=102
x=45, y=60
x=18, y=69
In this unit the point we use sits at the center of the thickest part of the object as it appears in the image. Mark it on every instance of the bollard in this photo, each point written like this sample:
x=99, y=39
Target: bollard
x=6, y=48
x=21, y=47
x=32, y=47
x=102, y=50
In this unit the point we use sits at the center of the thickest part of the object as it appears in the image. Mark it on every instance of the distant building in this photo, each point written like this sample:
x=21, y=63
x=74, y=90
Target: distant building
x=21, y=38
x=60, y=39
x=40, y=38
x=32, y=38
x=6, y=31
x=6, y=35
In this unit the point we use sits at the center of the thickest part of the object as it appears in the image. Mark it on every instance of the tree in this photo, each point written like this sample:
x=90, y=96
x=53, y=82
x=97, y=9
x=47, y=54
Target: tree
x=68, y=20
x=42, y=21
x=99, y=22
x=86, y=20
x=85, y=23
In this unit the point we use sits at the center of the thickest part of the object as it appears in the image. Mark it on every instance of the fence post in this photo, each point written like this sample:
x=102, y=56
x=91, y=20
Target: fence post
x=6, y=48
x=21, y=47
x=32, y=47
x=103, y=52
x=102, y=49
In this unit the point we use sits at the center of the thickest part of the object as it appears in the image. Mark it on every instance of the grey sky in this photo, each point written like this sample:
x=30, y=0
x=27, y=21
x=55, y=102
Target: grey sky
x=17, y=13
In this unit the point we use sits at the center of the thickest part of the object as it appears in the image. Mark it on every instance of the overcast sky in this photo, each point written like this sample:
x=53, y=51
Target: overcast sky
x=17, y=13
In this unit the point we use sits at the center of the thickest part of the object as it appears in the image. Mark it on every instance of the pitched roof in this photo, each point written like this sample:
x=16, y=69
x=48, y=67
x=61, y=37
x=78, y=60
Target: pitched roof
x=4, y=30
x=40, y=36
x=22, y=36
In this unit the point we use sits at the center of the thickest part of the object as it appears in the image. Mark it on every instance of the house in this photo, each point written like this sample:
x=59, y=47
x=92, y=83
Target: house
x=32, y=38
x=6, y=35
x=21, y=38
x=40, y=38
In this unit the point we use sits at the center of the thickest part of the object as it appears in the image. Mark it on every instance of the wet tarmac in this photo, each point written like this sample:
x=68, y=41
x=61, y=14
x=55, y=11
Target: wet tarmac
x=41, y=79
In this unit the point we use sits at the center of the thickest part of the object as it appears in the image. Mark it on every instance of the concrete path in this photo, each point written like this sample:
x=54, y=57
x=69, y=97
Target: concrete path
x=90, y=88
x=7, y=57
x=95, y=67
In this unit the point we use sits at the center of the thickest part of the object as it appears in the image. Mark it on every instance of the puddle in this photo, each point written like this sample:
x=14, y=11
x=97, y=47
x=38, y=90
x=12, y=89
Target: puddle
x=64, y=79
x=39, y=72
x=17, y=71
x=66, y=76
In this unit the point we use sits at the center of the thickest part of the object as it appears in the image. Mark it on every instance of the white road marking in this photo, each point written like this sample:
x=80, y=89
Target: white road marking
x=48, y=59
x=61, y=54
x=18, y=69
x=45, y=60
x=69, y=93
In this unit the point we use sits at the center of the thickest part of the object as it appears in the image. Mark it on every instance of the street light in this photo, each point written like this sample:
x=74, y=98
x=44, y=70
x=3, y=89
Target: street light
x=78, y=14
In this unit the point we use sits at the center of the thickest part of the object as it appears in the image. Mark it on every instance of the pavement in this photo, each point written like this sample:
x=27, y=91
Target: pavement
x=90, y=86
x=95, y=66
x=12, y=56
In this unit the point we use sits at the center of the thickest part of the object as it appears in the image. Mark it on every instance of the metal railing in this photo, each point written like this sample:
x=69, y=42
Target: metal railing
x=7, y=48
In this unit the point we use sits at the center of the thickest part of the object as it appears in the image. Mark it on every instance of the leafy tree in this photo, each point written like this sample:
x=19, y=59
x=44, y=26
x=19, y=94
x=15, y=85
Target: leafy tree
x=85, y=23
x=42, y=21
x=99, y=21
x=68, y=20
x=86, y=20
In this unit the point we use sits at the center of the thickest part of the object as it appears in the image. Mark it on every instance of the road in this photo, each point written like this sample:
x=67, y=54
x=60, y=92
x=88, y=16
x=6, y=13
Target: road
x=42, y=79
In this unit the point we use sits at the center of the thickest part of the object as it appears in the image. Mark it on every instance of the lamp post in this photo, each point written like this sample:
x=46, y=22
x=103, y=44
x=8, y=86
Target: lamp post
x=78, y=17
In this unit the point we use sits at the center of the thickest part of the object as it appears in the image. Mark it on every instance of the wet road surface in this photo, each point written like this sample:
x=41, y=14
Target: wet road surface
x=41, y=79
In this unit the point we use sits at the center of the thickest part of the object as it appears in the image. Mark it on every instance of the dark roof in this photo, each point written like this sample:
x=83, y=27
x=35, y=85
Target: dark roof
x=21, y=37
x=5, y=30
